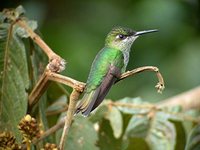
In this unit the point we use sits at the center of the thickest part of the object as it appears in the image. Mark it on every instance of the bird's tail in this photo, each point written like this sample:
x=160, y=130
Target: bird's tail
x=86, y=104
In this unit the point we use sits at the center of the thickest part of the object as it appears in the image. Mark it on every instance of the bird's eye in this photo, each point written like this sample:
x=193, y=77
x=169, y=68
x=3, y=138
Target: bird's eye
x=121, y=36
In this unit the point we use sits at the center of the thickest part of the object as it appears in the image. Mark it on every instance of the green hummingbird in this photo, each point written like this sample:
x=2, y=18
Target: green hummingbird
x=107, y=67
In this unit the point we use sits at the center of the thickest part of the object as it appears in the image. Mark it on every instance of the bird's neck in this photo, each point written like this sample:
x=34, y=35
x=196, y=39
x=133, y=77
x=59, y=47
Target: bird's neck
x=126, y=54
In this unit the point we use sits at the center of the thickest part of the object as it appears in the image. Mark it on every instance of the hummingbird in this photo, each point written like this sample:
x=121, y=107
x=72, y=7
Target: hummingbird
x=107, y=67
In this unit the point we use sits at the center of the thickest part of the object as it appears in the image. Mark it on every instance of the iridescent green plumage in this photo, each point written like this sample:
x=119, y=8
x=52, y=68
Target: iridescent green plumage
x=107, y=67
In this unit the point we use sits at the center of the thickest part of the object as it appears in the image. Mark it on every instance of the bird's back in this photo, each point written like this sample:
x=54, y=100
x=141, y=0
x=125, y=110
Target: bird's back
x=101, y=64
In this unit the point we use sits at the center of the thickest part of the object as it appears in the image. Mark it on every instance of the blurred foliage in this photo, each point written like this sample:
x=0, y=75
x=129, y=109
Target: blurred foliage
x=76, y=31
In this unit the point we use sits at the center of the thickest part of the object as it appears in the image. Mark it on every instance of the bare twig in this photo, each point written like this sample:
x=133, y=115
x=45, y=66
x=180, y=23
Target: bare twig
x=79, y=86
x=53, y=129
x=56, y=63
x=70, y=113
x=39, y=88
x=160, y=85
x=44, y=81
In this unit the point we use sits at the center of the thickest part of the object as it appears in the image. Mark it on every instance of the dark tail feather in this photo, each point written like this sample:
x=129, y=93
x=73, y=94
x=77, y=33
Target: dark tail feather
x=93, y=99
x=104, y=89
x=87, y=102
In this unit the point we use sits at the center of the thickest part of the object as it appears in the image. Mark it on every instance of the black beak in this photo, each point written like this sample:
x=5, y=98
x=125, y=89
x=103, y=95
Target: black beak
x=145, y=32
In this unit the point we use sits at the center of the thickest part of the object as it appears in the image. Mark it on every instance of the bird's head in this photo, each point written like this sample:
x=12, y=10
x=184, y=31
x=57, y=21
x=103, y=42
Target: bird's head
x=122, y=38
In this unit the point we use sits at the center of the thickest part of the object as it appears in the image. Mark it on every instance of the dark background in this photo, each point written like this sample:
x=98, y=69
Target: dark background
x=76, y=31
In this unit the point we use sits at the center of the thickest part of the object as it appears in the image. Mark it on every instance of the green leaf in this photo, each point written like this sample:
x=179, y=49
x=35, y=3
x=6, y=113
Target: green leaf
x=137, y=143
x=99, y=114
x=81, y=135
x=57, y=105
x=193, y=142
x=180, y=135
x=158, y=131
x=14, y=72
x=116, y=121
x=107, y=141
x=138, y=127
x=14, y=79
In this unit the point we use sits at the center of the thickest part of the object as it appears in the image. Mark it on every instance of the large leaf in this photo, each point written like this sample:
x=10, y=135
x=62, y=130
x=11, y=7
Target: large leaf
x=158, y=131
x=193, y=142
x=14, y=79
x=116, y=121
x=107, y=141
x=99, y=113
x=81, y=136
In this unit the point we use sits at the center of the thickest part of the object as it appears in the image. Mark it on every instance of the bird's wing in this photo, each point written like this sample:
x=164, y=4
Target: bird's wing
x=110, y=78
x=91, y=100
x=87, y=101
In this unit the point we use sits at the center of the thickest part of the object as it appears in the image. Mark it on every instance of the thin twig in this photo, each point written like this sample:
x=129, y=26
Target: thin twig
x=70, y=113
x=44, y=81
x=56, y=63
x=53, y=129
x=160, y=85
x=39, y=88
x=79, y=86
x=49, y=52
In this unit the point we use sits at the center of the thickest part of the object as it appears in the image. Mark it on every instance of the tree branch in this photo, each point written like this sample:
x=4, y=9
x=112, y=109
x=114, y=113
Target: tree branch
x=79, y=86
x=160, y=85
x=187, y=100
x=70, y=113
x=53, y=129
x=56, y=63
x=39, y=89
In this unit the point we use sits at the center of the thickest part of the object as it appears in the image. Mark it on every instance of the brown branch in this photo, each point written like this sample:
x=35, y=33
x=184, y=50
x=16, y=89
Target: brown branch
x=155, y=108
x=79, y=86
x=70, y=113
x=56, y=63
x=44, y=81
x=39, y=88
x=36, y=39
x=53, y=129
x=160, y=85
x=187, y=100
